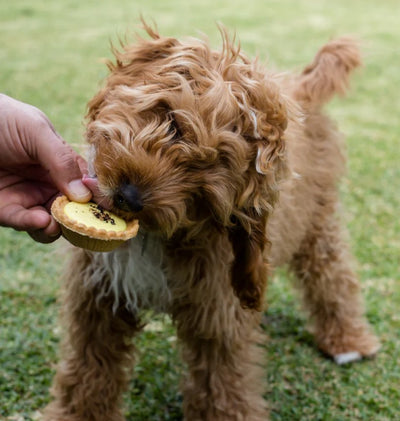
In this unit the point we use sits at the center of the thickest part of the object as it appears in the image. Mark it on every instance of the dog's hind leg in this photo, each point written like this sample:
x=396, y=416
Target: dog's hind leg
x=97, y=354
x=332, y=295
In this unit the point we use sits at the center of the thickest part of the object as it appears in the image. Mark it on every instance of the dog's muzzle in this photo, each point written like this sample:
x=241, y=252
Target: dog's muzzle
x=128, y=198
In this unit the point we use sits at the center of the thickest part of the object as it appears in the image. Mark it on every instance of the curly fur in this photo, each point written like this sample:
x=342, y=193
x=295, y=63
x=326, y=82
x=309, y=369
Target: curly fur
x=237, y=171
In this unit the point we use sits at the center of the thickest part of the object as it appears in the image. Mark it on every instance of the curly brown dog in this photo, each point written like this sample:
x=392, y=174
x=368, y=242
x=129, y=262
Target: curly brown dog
x=231, y=170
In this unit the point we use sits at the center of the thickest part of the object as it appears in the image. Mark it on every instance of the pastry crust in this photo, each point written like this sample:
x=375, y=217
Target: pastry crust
x=89, y=237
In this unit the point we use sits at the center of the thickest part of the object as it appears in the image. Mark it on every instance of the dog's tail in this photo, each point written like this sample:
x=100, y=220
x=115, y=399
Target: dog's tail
x=329, y=73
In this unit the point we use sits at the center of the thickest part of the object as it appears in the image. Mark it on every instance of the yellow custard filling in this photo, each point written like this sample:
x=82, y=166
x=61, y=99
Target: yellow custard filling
x=91, y=215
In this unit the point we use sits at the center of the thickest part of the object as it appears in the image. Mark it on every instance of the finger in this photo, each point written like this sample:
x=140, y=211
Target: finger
x=82, y=164
x=53, y=229
x=54, y=154
x=16, y=191
x=48, y=234
x=49, y=203
x=41, y=236
x=17, y=217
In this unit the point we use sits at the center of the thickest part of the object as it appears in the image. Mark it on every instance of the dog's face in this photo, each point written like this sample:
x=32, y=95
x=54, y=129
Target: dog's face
x=183, y=136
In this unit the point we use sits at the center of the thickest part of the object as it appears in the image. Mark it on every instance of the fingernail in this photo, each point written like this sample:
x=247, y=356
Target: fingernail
x=54, y=234
x=78, y=191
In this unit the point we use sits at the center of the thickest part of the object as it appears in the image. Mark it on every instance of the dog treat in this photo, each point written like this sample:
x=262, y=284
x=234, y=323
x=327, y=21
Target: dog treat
x=89, y=226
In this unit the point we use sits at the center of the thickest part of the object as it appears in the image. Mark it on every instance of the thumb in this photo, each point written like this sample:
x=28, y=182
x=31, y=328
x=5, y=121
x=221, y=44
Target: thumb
x=54, y=154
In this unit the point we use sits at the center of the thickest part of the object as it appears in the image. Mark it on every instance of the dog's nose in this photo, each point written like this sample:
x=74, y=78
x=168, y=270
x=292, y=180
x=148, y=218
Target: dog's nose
x=128, y=198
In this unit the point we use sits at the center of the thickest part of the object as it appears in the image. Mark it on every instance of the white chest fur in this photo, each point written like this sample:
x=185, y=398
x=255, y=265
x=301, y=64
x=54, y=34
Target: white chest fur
x=134, y=274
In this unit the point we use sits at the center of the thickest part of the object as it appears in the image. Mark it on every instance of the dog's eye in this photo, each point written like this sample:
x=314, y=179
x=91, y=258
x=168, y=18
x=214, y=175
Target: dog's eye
x=119, y=200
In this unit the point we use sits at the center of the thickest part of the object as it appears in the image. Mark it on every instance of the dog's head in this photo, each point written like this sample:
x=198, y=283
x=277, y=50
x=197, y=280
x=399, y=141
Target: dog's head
x=185, y=137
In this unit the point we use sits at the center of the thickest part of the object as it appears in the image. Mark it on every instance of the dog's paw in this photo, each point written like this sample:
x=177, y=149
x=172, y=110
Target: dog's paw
x=349, y=347
x=347, y=357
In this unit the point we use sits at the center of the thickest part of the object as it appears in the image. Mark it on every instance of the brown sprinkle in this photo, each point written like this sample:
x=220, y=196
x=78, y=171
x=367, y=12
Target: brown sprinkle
x=100, y=213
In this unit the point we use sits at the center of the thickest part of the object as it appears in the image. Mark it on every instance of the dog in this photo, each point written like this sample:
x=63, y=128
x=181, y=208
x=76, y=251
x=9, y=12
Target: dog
x=232, y=171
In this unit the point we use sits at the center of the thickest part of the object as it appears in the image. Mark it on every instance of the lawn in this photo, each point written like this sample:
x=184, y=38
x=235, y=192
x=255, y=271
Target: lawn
x=51, y=55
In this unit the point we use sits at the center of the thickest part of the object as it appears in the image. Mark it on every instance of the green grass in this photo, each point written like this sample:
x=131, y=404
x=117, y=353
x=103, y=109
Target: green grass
x=50, y=55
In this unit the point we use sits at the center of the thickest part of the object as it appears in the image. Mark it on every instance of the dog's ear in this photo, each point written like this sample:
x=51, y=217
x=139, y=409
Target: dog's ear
x=262, y=120
x=254, y=203
x=249, y=268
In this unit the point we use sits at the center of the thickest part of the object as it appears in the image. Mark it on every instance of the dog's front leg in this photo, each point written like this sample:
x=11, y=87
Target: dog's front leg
x=219, y=344
x=96, y=352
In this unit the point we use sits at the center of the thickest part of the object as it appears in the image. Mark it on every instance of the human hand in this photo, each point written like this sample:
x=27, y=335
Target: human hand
x=35, y=165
